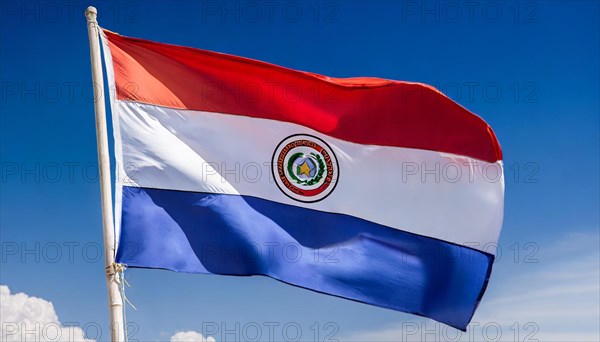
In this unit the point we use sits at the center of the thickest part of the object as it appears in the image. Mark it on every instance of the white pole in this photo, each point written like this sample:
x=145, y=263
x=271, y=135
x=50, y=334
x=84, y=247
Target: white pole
x=115, y=301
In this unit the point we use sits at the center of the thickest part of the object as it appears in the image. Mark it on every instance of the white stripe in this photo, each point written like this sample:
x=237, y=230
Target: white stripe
x=413, y=190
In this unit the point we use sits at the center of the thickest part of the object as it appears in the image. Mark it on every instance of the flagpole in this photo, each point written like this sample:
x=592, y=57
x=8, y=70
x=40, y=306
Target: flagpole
x=115, y=301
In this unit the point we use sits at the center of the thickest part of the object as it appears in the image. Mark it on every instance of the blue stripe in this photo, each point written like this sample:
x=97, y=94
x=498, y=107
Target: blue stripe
x=337, y=254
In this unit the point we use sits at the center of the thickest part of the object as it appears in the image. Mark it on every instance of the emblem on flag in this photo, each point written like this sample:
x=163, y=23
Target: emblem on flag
x=305, y=168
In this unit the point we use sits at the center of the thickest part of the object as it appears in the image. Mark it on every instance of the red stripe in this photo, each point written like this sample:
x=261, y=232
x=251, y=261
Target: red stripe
x=361, y=110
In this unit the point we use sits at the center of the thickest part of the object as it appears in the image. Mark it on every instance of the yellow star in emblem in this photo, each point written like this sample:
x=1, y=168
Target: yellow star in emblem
x=304, y=169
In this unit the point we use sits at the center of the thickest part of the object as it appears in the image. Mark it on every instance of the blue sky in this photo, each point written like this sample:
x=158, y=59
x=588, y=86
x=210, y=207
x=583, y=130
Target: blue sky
x=530, y=69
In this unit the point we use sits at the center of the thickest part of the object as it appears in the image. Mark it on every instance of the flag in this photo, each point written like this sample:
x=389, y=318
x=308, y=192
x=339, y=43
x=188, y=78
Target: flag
x=378, y=191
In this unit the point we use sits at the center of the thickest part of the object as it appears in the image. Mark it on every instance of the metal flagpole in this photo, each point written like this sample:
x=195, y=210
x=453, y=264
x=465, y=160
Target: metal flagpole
x=115, y=300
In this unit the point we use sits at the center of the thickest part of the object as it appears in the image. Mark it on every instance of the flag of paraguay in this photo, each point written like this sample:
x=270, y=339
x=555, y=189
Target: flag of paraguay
x=379, y=191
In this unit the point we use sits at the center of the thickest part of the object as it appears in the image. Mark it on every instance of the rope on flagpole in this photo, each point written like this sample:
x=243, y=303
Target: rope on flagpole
x=120, y=270
x=117, y=273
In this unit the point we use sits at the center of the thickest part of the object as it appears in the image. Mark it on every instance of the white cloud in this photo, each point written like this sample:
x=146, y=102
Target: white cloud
x=555, y=299
x=190, y=336
x=25, y=318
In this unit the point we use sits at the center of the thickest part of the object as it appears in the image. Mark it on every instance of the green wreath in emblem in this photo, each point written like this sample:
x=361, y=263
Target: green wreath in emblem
x=306, y=182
